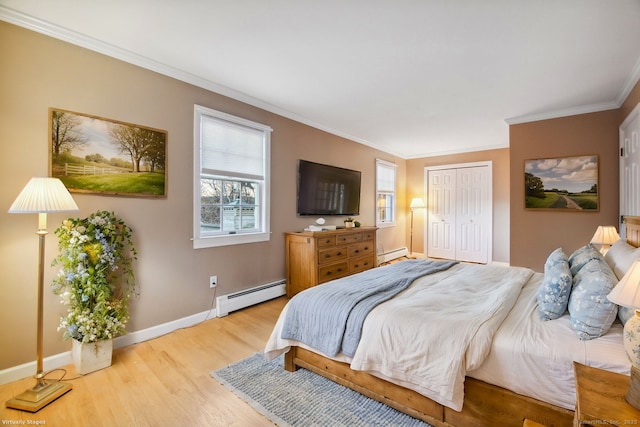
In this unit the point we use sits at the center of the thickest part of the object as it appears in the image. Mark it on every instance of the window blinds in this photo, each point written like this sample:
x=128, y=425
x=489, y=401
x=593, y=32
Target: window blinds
x=231, y=149
x=386, y=177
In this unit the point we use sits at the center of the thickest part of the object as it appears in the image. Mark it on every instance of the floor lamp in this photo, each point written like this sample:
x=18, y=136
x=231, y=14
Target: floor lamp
x=41, y=195
x=416, y=203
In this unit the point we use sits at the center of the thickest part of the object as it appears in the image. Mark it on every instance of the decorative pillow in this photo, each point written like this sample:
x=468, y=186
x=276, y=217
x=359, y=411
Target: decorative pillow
x=582, y=256
x=625, y=313
x=591, y=312
x=620, y=257
x=553, y=294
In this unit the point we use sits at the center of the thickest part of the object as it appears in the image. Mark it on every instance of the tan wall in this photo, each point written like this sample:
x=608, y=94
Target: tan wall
x=500, y=164
x=630, y=103
x=39, y=72
x=534, y=234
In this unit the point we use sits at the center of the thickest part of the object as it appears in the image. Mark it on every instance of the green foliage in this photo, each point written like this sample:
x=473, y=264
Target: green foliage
x=586, y=200
x=140, y=183
x=533, y=186
x=550, y=200
x=96, y=277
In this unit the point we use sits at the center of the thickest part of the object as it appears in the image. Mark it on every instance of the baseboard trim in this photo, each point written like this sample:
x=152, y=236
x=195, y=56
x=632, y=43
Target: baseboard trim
x=59, y=360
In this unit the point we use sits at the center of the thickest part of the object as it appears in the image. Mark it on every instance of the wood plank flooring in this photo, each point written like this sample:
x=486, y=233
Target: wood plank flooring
x=161, y=382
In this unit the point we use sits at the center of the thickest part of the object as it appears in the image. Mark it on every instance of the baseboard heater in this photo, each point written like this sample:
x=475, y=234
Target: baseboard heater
x=225, y=304
x=391, y=255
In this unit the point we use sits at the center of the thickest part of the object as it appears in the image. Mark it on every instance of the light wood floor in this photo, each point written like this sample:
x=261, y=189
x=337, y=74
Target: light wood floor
x=161, y=382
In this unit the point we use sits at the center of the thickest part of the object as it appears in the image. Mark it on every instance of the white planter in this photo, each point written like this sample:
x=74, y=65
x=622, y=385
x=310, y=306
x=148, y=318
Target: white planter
x=349, y=224
x=89, y=357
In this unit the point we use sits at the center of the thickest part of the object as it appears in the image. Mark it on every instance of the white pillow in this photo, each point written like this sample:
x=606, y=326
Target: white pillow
x=620, y=257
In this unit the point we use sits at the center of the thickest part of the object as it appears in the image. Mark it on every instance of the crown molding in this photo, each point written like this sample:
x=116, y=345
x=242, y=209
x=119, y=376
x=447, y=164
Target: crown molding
x=585, y=109
x=631, y=82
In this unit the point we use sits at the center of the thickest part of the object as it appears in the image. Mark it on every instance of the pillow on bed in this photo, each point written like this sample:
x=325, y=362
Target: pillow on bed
x=553, y=294
x=581, y=257
x=591, y=312
x=621, y=256
x=625, y=313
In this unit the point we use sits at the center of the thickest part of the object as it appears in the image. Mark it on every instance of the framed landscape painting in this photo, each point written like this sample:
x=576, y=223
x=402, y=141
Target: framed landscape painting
x=95, y=155
x=564, y=183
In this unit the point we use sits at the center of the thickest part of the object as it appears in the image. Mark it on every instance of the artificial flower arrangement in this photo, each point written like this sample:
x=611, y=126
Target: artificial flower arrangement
x=96, y=277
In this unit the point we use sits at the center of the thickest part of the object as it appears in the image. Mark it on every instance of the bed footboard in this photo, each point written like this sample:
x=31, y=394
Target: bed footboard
x=484, y=404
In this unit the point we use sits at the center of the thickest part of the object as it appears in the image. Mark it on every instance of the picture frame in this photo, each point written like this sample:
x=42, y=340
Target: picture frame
x=95, y=155
x=562, y=184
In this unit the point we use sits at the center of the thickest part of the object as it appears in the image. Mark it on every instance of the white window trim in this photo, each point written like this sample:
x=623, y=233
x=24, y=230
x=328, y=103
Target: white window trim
x=265, y=196
x=395, y=194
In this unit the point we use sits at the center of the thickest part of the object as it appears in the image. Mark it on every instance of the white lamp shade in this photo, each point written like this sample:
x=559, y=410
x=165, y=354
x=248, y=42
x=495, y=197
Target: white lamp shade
x=605, y=235
x=416, y=203
x=42, y=195
x=627, y=291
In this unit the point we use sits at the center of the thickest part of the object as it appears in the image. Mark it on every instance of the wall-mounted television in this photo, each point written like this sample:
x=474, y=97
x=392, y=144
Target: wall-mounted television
x=327, y=190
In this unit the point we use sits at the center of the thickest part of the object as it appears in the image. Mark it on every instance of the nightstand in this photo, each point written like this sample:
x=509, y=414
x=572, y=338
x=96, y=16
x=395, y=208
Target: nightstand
x=600, y=398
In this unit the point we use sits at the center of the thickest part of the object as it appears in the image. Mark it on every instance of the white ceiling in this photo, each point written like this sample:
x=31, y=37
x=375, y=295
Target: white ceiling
x=412, y=77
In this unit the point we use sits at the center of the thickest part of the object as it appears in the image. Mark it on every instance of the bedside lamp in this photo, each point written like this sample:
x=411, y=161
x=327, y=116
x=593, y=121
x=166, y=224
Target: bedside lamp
x=627, y=293
x=416, y=203
x=41, y=195
x=605, y=236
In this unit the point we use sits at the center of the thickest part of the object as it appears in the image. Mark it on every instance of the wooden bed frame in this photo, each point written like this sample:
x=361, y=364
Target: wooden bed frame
x=484, y=404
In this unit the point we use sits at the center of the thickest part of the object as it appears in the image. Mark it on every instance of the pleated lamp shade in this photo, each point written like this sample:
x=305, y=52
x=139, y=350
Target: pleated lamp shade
x=605, y=235
x=627, y=291
x=42, y=195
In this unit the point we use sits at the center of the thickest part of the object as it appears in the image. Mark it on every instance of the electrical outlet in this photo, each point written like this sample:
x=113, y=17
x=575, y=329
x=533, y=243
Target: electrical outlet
x=213, y=281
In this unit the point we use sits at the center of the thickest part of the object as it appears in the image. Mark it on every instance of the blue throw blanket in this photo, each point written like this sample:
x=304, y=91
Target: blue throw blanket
x=329, y=317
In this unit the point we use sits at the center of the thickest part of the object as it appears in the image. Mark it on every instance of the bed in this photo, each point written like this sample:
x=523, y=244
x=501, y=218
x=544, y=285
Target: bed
x=506, y=363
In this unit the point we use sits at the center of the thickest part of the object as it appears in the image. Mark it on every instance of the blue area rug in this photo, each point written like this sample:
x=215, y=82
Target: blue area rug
x=304, y=399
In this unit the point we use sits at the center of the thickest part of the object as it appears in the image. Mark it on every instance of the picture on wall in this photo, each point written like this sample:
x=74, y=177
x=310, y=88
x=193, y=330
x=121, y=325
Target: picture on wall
x=95, y=155
x=564, y=183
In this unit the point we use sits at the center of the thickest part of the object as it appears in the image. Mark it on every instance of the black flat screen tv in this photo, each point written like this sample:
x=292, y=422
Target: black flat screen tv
x=327, y=190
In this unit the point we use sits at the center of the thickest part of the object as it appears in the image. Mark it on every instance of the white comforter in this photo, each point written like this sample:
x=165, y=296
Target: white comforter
x=430, y=335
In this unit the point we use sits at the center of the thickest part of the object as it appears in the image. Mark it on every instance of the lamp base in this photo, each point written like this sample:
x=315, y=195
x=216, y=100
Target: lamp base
x=39, y=396
x=633, y=394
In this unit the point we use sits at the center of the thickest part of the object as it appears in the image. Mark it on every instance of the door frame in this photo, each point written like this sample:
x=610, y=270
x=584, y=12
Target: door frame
x=624, y=208
x=489, y=225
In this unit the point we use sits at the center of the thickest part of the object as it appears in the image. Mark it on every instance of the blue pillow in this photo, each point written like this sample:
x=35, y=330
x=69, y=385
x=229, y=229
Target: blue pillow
x=553, y=294
x=581, y=257
x=591, y=312
x=625, y=313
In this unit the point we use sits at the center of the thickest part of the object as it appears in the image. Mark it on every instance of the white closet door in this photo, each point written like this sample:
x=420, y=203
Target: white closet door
x=459, y=213
x=472, y=214
x=441, y=215
x=630, y=164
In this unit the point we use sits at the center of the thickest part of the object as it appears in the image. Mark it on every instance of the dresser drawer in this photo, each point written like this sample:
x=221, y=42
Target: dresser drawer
x=332, y=254
x=360, y=249
x=368, y=235
x=323, y=242
x=333, y=271
x=348, y=238
x=357, y=265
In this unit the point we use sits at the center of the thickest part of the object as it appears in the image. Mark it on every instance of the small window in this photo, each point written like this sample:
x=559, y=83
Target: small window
x=385, y=193
x=231, y=179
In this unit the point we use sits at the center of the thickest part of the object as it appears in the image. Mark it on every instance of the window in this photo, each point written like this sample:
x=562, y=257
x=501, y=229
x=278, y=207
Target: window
x=231, y=180
x=385, y=193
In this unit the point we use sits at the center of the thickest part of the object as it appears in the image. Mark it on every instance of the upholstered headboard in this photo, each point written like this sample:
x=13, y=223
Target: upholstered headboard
x=632, y=224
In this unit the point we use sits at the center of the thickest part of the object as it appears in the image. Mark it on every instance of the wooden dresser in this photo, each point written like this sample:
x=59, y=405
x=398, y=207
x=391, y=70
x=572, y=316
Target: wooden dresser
x=314, y=257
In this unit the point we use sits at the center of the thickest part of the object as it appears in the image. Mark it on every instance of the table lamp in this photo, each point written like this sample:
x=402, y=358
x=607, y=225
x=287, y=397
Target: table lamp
x=627, y=293
x=605, y=236
x=41, y=195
